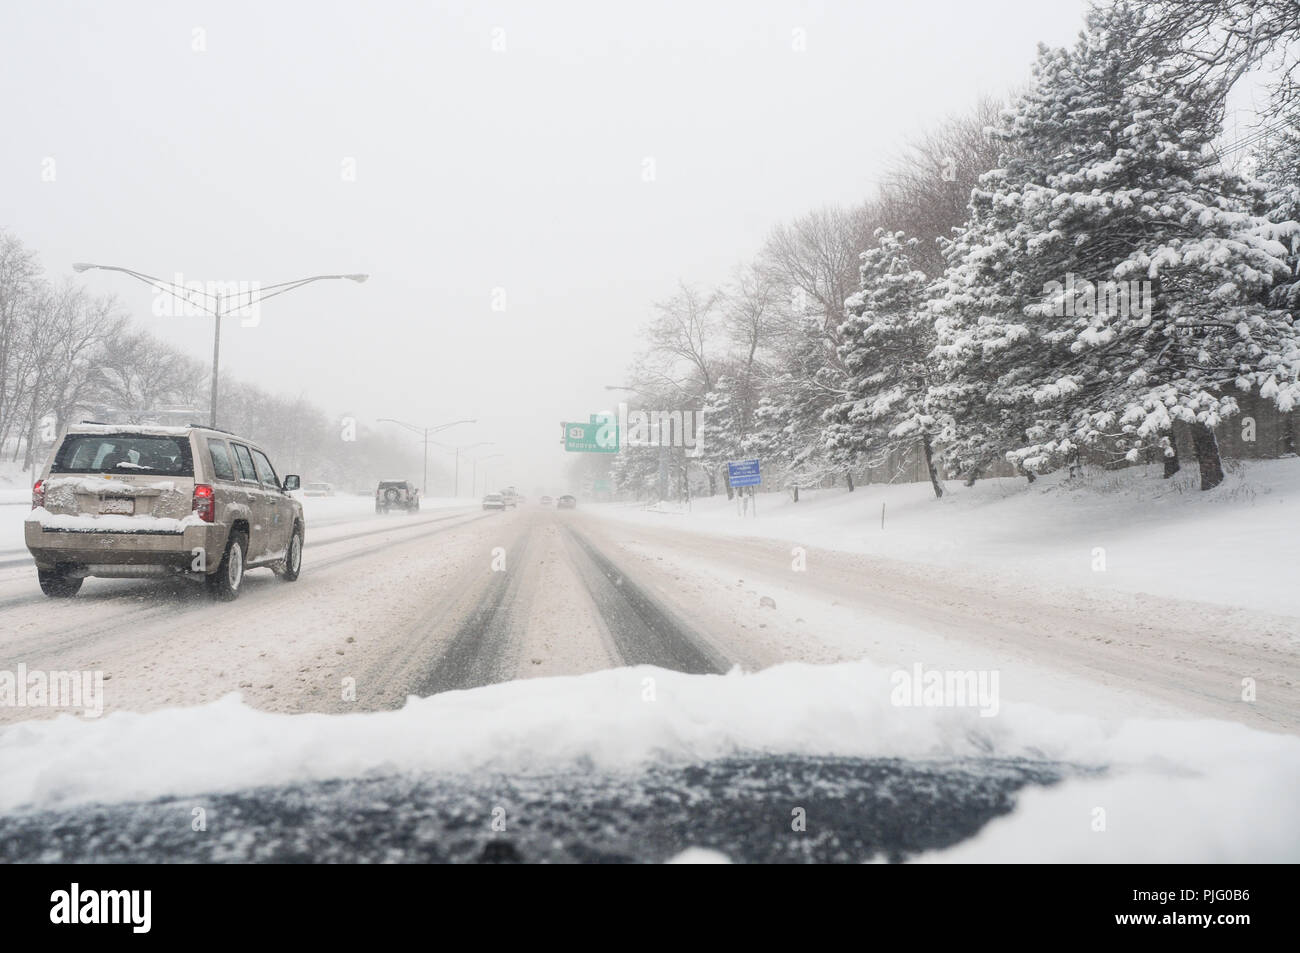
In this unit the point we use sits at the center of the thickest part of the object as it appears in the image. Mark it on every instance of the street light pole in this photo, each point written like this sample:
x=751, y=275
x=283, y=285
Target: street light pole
x=186, y=295
x=216, y=362
x=457, y=449
x=425, y=432
x=474, y=475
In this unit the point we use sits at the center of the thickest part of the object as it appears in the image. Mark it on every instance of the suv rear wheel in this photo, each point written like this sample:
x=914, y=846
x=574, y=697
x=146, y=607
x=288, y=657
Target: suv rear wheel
x=57, y=584
x=224, y=584
x=289, y=567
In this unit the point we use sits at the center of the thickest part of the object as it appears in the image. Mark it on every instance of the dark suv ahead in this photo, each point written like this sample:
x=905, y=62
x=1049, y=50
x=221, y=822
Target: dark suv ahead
x=129, y=501
x=397, y=495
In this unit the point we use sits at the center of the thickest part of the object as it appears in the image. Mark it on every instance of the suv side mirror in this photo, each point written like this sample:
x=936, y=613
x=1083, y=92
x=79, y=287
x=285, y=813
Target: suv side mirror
x=292, y=482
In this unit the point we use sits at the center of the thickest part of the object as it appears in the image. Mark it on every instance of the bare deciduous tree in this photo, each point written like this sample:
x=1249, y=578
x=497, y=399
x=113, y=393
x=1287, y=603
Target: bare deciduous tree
x=1221, y=40
x=141, y=374
x=684, y=333
x=927, y=191
x=814, y=260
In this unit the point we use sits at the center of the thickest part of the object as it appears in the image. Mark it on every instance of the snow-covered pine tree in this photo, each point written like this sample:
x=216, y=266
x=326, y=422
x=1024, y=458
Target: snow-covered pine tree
x=725, y=427
x=786, y=434
x=1278, y=168
x=1113, y=279
x=1186, y=223
x=997, y=345
x=888, y=339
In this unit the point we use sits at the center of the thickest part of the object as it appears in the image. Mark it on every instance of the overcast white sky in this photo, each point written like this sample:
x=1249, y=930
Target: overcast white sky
x=475, y=169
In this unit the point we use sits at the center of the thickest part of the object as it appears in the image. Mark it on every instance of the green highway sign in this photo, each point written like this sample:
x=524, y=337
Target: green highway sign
x=592, y=436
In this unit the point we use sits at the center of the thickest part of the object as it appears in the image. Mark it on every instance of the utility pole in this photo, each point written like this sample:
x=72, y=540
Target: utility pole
x=457, y=449
x=474, y=473
x=216, y=358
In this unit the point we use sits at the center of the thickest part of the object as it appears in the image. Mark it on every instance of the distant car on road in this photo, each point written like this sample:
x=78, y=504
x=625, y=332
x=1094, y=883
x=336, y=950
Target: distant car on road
x=547, y=501
x=318, y=489
x=567, y=502
x=494, y=501
x=510, y=497
x=130, y=501
x=397, y=495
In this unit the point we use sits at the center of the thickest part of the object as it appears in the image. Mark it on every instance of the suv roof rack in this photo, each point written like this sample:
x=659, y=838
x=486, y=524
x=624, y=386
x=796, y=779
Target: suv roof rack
x=217, y=429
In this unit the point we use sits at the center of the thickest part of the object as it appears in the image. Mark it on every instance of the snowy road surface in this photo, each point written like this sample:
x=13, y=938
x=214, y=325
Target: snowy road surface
x=454, y=598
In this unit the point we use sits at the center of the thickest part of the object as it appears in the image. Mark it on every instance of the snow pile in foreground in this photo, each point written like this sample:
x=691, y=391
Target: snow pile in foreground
x=1172, y=791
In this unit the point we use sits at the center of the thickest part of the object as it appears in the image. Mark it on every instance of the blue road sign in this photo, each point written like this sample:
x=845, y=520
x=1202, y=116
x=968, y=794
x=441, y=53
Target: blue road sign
x=744, y=473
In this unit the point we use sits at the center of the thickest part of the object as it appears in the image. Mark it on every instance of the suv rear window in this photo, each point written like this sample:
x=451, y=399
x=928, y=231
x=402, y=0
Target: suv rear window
x=124, y=453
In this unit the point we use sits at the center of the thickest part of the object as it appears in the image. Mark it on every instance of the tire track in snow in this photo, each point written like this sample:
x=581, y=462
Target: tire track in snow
x=644, y=632
x=476, y=654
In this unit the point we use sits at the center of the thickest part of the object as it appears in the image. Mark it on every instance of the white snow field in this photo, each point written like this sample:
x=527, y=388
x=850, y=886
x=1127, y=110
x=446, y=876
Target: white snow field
x=1175, y=791
x=1236, y=545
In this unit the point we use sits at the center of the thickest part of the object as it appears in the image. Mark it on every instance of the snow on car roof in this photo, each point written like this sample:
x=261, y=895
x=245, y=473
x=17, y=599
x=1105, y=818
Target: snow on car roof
x=153, y=430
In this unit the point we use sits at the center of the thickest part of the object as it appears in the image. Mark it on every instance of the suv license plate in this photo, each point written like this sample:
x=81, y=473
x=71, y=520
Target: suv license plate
x=121, y=507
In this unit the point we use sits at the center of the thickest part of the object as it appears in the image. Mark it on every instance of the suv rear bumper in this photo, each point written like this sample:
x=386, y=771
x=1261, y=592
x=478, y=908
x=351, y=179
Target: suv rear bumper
x=166, y=551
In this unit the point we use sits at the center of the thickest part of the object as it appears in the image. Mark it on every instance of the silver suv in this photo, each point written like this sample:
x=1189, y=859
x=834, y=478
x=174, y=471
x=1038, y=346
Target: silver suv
x=127, y=501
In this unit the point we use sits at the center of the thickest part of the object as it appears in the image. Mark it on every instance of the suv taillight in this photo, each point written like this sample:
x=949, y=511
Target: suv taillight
x=204, y=504
x=38, y=494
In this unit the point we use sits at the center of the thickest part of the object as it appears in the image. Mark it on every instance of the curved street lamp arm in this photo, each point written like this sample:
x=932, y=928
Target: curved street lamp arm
x=282, y=287
x=179, y=292
x=401, y=423
x=442, y=427
x=187, y=294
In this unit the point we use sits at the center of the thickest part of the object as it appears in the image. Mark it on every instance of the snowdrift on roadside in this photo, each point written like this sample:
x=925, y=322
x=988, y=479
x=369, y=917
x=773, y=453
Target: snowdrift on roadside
x=1235, y=545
